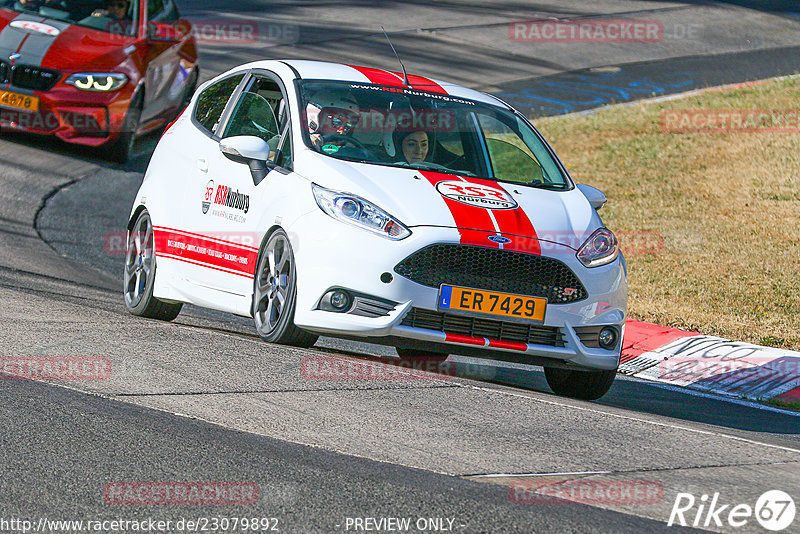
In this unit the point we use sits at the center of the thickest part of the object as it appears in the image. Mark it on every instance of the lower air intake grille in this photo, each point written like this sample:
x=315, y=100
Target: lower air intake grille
x=478, y=327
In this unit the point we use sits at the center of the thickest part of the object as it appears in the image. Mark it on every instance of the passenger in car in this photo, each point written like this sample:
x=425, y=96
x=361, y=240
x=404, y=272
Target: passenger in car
x=412, y=146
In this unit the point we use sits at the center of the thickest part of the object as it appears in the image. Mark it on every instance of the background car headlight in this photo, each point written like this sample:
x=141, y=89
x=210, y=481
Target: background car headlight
x=359, y=212
x=600, y=249
x=98, y=82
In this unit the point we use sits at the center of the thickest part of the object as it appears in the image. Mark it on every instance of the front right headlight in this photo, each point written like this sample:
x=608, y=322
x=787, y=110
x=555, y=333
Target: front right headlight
x=600, y=249
x=355, y=210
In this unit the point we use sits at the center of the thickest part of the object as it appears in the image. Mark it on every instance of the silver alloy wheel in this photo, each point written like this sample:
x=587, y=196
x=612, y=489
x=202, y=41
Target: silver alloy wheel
x=139, y=261
x=273, y=284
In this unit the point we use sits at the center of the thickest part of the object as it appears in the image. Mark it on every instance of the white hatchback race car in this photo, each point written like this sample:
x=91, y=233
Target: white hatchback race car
x=328, y=199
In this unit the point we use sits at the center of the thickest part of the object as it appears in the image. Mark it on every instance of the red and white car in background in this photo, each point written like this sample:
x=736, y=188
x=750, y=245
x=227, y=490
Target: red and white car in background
x=70, y=68
x=327, y=199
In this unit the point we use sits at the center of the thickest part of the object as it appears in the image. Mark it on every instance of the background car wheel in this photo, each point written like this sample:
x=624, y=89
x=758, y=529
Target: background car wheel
x=420, y=356
x=275, y=294
x=121, y=150
x=140, y=274
x=585, y=385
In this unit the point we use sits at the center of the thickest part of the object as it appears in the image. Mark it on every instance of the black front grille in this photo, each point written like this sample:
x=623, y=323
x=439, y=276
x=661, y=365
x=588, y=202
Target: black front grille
x=5, y=72
x=34, y=78
x=494, y=269
x=450, y=323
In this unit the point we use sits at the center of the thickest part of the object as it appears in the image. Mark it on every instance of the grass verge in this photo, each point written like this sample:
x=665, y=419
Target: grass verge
x=709, y=222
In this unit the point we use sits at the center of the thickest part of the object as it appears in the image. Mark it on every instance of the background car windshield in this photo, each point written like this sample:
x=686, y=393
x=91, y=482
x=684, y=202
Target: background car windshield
x=428, y=131
x=113, y=16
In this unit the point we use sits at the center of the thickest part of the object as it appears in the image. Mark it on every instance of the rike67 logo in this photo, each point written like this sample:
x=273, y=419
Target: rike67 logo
x=774, y=510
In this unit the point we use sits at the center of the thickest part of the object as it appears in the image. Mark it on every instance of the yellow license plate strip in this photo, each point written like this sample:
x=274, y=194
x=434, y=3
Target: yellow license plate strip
x=479, y=301
x=18, y=101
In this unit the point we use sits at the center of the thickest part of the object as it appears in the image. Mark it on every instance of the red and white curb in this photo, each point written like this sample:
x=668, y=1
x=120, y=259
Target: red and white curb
x=709, y=364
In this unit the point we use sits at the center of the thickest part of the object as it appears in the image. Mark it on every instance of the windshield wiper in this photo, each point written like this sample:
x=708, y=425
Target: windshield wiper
x=546, y=185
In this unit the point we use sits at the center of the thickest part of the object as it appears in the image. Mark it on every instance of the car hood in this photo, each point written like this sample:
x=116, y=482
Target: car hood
x=485, y=207
x=59, y=45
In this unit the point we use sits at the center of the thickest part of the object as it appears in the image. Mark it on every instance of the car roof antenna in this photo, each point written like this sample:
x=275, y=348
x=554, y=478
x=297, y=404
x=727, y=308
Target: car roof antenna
x=405, y=76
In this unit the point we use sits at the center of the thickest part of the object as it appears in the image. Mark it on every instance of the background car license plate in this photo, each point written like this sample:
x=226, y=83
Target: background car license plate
x=492, y=303
x=14, y=100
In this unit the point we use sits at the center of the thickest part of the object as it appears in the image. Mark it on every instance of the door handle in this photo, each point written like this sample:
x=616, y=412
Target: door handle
x=202, y=164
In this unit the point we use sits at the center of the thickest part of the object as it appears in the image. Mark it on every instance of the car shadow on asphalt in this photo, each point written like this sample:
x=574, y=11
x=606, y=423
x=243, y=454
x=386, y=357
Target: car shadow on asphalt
x=143, y=150
x=645, y=397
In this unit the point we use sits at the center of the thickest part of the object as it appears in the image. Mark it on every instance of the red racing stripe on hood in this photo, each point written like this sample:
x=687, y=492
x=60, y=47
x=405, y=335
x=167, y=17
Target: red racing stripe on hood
x=395, y=79
x=474, y=222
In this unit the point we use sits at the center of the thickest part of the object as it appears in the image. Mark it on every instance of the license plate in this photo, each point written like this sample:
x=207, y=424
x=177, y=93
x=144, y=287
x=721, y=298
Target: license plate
x=464, y=299
x=17, y=101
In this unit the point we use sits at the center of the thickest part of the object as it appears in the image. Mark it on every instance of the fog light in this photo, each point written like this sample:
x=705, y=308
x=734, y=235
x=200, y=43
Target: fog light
x=608, y=338
x=340, y=299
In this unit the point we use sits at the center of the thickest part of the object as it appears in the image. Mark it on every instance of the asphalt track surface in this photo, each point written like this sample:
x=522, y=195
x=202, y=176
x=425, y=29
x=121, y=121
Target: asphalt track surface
x=203, y=399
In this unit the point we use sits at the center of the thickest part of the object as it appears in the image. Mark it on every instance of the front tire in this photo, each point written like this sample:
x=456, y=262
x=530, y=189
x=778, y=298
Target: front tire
x=140, y=274
x=275, y=294
x=121, y=150
x=584, y=385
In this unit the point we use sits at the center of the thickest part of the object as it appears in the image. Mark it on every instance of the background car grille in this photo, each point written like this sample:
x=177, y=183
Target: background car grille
x=5, y=72
x=450, y=323
x=34, y=78
x=498, y=270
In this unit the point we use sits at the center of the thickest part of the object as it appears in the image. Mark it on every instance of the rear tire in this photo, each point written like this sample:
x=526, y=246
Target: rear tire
x=275, y=294
x=121, y=150
x=584, y=385
x=140, y=274
x=420, y=356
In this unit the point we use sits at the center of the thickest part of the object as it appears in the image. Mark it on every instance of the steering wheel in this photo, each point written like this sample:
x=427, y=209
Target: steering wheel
x=344, y=139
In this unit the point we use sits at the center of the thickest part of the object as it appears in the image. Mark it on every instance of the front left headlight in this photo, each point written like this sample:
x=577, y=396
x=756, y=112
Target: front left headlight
x=97, y=82
x=355, y=210
x=600, y=249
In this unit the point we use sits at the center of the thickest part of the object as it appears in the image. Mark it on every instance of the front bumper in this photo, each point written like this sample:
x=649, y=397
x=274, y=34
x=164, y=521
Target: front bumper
x=74, y=116
x=335, y=255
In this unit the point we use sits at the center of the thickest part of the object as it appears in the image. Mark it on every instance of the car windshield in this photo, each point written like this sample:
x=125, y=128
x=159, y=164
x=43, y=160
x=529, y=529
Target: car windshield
x=409, y=128
x=119, y=17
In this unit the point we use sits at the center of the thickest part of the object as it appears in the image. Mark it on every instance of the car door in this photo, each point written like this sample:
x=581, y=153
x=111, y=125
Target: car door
x=164, y=76
x=189, y=225
x=240, y=209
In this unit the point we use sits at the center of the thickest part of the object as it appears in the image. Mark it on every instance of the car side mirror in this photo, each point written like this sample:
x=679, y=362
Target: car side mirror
x=248, y=150
x=595, y=197
x=158, y=31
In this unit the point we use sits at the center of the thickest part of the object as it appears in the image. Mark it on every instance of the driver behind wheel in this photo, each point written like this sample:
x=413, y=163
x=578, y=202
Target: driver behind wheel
x=330, y=116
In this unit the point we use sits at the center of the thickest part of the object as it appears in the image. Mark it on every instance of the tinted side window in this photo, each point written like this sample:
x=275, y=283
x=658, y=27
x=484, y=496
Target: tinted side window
x=154, y=9
x=212, y=102
x=171, y=12
x=262, y=112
